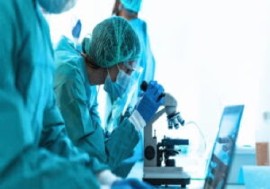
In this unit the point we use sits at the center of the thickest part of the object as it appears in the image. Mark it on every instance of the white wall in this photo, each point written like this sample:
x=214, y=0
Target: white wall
x=209, y=54
x=218, y=53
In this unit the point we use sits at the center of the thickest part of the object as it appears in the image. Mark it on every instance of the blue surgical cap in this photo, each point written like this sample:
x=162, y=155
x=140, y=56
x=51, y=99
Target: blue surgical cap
x=113, y=41
x=133, y=5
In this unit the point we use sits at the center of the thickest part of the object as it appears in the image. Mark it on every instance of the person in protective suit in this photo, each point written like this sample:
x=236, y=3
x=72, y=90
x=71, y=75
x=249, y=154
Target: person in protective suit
x=108, y=57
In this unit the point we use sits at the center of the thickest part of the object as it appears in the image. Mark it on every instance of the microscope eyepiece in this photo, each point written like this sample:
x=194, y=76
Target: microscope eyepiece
x=144, y=86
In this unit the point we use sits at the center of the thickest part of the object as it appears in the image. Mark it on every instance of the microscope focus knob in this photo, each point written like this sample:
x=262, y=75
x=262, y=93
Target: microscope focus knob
x=149, y=152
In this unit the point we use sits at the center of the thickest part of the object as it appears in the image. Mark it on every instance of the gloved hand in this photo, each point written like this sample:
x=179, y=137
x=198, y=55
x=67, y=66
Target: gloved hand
x=151, y=100
x=131, y=183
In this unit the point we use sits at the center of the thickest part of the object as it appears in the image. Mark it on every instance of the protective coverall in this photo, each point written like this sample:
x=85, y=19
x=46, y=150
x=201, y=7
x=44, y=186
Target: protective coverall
x=77, y=100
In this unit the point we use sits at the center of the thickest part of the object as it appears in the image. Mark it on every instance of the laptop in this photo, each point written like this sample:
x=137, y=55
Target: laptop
x=223, y=149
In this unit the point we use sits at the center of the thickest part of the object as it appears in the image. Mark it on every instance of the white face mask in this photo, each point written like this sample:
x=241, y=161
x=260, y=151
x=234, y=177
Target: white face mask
x=57, y=6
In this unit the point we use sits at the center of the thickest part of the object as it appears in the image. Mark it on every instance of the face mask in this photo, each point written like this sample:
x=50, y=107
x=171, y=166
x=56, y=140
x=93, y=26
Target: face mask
x=57, y=6
x=119, y=87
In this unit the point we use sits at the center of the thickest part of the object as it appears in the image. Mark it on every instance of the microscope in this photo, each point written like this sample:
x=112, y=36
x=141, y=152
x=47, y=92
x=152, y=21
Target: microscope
x=158, y=168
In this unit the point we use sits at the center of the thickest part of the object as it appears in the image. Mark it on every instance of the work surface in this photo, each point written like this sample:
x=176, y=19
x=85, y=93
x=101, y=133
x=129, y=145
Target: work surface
x=195, y=184
x=137, y=172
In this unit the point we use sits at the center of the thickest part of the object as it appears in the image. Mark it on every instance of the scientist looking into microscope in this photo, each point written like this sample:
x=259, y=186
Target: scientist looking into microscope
x=108, y=57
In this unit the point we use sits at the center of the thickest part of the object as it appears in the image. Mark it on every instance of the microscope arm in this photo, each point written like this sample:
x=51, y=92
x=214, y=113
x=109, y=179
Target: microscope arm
x=170, y=104
x=174, y=118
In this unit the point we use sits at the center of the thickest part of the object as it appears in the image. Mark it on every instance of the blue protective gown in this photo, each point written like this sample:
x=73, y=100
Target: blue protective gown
x=34, y=149
x=77, y=100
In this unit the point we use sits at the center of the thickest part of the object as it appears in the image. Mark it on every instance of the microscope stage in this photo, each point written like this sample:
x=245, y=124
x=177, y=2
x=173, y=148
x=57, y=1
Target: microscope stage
x=166, y=176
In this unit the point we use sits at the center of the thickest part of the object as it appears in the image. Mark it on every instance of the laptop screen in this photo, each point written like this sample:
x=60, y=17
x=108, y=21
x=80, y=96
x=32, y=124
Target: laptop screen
x=222, y=154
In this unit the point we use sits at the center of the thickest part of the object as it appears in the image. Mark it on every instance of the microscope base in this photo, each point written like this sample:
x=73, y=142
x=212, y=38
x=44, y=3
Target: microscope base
x=166, y=176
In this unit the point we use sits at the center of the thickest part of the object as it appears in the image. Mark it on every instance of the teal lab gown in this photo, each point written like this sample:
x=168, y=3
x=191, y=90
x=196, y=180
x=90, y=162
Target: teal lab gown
x=35, y=151
x=77, y=100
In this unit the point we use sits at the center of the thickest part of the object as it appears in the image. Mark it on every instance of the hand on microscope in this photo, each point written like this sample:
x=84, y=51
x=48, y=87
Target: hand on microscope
x=149, y=103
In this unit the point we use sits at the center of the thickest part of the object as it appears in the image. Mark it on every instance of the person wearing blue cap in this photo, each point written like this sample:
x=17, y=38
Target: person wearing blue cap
x=129, y=9
x=109, y=56
x=35, y=151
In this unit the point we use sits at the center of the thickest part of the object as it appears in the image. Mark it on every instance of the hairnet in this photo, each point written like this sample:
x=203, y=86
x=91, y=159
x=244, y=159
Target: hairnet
x=133, y=5
x=113, y=41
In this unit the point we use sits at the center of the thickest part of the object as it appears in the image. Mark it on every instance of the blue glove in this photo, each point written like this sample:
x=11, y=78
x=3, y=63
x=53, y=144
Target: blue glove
x=151, y=100
x=76, y=30
x=130, y=183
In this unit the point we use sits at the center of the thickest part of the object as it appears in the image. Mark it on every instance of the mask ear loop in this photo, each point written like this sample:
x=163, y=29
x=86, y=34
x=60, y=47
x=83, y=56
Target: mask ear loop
x=108, y=74
x=118, y=68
